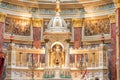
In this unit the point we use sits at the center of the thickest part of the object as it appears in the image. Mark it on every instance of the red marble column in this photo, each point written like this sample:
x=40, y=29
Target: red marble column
x=37, y=24
x=112, y=57
x=36, y=42
x=1, y=35
x=77, y=37
x=118, y=26
x=2, y=55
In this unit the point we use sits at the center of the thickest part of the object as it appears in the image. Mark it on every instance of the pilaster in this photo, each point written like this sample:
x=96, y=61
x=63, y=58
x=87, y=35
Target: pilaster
x=103, y=60
x=37, y=24
x=112, y=59
x=77, y=24
x=67, y=61
x=118, y=41
x=2, y=21
x=46, y=53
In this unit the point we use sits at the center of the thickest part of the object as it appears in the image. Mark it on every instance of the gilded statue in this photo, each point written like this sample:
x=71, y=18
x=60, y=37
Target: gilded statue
x=57, y=56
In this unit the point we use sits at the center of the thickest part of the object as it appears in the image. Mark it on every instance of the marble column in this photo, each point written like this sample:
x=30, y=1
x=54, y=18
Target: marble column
x=2, y=26
x=46, y=53
x=77, y=24
x=37, y=24
x=118, y=42
x=2, y=60
x=112, y=57
x=67, y=61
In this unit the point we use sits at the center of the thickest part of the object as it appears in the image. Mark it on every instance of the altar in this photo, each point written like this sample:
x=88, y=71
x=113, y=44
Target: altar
x=57, y=59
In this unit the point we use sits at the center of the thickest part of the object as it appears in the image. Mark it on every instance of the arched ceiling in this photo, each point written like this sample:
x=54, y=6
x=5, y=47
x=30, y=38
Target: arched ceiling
x=69, y=8
x=64, y=3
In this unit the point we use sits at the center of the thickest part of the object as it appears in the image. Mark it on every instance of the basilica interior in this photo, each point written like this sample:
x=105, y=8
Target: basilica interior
x=59, y=39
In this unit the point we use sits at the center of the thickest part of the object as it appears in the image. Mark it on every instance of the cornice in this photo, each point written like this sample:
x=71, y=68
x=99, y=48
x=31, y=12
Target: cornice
x=18, y=17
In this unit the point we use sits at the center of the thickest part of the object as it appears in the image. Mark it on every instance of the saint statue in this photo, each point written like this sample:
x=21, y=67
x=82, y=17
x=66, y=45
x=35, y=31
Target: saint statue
x=57, y=56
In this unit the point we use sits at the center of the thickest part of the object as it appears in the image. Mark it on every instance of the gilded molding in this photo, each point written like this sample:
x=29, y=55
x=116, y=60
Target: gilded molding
x=112, y=18
x=2, y=17
x=77, y=22
x=37, y=22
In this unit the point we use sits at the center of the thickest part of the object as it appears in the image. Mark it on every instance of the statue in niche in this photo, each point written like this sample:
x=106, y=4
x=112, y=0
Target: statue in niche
x=57, y=56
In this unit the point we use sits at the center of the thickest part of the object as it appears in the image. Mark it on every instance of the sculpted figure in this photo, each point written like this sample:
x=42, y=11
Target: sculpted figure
x=57, y=56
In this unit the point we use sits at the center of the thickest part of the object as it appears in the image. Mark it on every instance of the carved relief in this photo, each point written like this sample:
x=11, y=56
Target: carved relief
x=17, y=26
x=96, y=26
x=57, y=37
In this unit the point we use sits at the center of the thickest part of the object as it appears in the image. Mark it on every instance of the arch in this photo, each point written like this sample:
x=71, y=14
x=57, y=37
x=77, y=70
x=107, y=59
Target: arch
x=57, y=43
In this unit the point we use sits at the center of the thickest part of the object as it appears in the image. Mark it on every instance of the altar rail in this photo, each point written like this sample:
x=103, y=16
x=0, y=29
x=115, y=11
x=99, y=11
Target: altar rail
x=25, y=57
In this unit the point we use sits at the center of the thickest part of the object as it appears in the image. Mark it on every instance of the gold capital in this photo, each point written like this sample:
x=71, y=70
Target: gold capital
x=2, y=17
x=112, y=18
x=77, y=22
x=37, y=22
x=117, y=3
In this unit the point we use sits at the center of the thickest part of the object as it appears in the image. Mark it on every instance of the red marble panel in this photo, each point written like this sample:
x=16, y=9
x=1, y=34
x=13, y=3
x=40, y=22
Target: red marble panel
x=77, y=37
x=36, y=37
x=36, y=33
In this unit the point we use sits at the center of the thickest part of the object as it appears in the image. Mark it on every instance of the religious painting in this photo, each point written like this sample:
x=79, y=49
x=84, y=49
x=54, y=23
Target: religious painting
x=17, y=26
x=96, y=26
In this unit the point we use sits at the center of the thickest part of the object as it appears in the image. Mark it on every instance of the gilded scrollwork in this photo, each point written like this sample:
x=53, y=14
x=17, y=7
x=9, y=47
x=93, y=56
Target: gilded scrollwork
x=96, y=26
x=17, y=26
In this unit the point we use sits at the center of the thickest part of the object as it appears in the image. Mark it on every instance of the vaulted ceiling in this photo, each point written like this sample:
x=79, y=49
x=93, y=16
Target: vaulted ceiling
x=64, y=3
